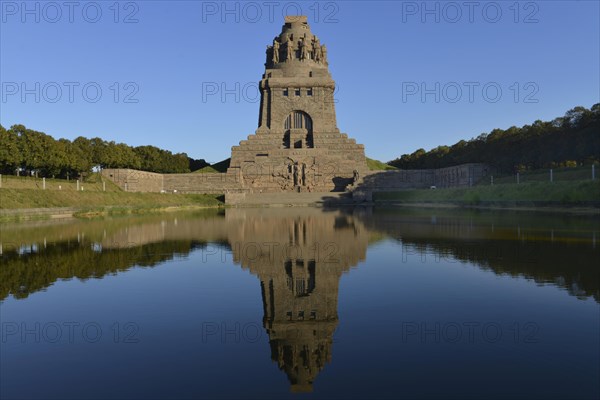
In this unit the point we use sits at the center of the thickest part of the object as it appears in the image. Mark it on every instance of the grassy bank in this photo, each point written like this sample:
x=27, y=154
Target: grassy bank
x=90, y=201
x=376, y=165
x=94, y=195
x=543, y=175
x=220, y=167
x=92, y=183
x=558, y=193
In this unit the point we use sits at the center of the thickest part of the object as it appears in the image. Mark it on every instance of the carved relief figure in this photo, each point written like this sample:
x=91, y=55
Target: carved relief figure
x=311, y=179
x=282, y=178
x=290, y=172
x=303, y=175
x=296, y=173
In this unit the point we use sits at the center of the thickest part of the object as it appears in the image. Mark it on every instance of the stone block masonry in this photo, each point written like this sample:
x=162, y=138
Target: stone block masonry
x=132, y=180
x=463, y=175
x=229, y=183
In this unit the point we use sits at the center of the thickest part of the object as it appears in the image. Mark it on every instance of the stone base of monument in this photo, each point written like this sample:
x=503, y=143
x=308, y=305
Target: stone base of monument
x=318, y=199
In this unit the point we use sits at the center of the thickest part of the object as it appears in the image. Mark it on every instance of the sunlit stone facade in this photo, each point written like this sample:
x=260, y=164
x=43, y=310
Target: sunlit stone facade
x=297, y=146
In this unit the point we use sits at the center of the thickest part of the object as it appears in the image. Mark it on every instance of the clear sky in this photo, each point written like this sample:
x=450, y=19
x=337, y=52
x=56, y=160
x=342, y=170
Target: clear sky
x=158, y=65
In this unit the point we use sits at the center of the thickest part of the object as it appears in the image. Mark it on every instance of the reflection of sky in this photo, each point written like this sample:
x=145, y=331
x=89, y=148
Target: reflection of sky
x=170, y=303
x=376, y=350
x=386, y=295
x=377, y=299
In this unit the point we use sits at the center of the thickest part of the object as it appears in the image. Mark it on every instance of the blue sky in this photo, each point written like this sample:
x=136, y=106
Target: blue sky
x=490, y=65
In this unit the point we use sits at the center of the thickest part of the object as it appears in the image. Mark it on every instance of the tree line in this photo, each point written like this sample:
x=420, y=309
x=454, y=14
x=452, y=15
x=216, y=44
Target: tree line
x=571, y=140
x=28, y=152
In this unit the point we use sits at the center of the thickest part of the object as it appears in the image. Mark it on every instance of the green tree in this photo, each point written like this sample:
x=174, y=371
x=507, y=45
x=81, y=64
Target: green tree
x=570, y=139
x=10, y=153
x=82, y=162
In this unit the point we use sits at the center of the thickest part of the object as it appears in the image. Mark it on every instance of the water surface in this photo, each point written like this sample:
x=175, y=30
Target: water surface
x=302, y=302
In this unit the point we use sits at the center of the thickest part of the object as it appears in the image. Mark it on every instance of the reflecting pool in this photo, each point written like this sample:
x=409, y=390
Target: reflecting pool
x=302, y=302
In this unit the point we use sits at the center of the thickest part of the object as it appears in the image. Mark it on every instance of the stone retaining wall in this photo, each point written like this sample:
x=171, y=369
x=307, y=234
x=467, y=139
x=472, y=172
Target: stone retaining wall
x=132, y=180
x=209, y=183
x=463, y=175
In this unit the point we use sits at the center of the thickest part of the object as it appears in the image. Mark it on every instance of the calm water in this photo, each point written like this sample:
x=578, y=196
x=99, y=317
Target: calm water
x=302, y=302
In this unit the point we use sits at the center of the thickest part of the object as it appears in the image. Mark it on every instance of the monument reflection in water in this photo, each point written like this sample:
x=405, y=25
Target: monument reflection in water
x=299, y=258
x=299, y=261
x=413, y=273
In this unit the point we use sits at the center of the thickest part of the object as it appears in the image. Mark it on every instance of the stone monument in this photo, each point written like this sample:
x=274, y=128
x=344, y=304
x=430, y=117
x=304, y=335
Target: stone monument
x=297, y=146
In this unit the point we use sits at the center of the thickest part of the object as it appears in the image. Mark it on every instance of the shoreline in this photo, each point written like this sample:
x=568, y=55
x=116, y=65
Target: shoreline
x=498, y=206
x=60, y=213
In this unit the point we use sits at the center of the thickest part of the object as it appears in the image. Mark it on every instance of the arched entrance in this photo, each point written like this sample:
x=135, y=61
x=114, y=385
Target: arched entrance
x=298, y=131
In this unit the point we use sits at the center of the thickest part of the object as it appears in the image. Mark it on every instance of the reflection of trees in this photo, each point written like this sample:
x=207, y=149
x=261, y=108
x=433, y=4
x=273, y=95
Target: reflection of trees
x=547, y=249
x=569, y=266
x=21, y=275
x=513, y=244
x=299, y=256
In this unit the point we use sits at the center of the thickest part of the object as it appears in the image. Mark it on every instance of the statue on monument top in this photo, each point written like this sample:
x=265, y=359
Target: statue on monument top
x=304, y=50
x=275, y=51
x=316, y=49
x=290, y=49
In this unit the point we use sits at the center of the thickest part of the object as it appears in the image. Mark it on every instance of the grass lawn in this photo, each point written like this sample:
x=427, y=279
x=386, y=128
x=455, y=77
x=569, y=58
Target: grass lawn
x=36, y=198
x=221, y=167
x=375, y=165
x=27, y=192
x=564, y=192
x=543, y=175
